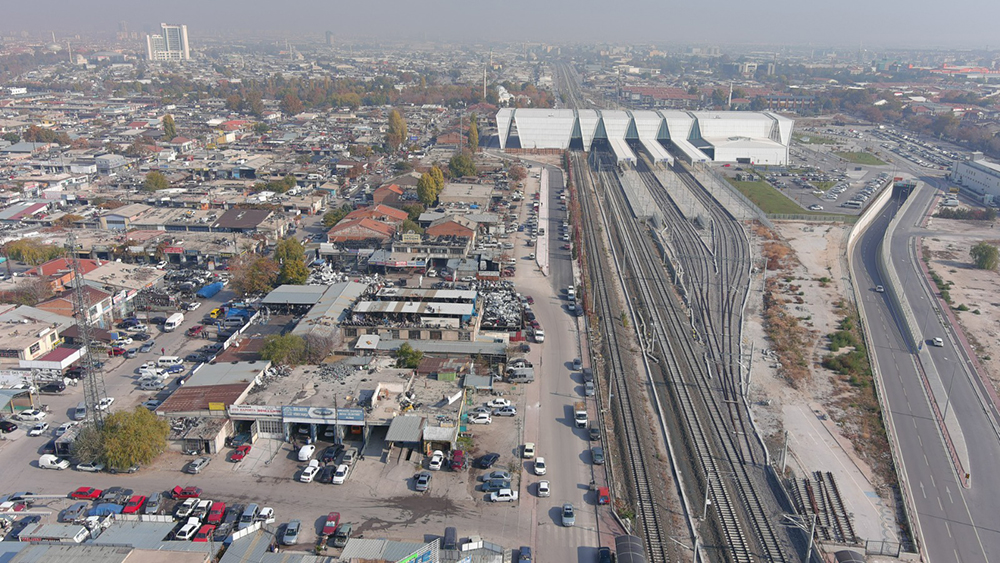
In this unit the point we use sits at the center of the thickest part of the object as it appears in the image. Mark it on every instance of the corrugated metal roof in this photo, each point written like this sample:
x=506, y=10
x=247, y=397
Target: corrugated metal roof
x=405, y=429
x=73, y=553
x=295, y=295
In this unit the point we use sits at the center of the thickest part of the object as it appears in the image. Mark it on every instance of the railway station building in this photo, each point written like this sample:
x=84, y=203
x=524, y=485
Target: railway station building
x=694, y=136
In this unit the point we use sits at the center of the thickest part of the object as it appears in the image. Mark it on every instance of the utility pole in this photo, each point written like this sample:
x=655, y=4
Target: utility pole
x=93, y=376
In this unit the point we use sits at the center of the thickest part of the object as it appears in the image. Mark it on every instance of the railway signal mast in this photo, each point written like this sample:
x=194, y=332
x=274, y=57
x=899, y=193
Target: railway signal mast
x=93, y=376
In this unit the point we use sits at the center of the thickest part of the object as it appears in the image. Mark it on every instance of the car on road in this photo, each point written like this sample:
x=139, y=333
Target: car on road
x=64, y=427
x=436, y=461
x=31, y=415
x=539, y=466
x=92, y=467
x=422, y=482
x=105, y=403
x=239, y=453
x=480, y=418
x=597, y=455
x=577, y=364
x=487, y=461
x=503, y=495
x=38, y=429
x=331, y=523
x=179, y=493
x=147, y=346
x=498, y=403
x=879, y=289
x=53, y=388
x=7, y=426
x=505, y=411
x=86, y=493
x=291, y=535
x=543, y=489
x=528, y=451
x=310, y=471
x=306, y=452
x=196, y=466
x=595, y=433
x=588, y=389
x=568, y=515
x=938, y=341
x=340, y=475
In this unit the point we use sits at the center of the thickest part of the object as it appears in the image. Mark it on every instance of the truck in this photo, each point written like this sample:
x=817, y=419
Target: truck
x=173, y=321
x=580, y=414
x=210, y=290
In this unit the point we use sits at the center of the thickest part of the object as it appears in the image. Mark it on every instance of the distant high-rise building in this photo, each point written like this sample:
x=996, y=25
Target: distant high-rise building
x=171, y=44
x=329, y=38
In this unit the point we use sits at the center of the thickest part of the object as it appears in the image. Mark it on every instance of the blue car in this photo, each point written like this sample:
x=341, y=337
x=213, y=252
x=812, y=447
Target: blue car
x=175, y=368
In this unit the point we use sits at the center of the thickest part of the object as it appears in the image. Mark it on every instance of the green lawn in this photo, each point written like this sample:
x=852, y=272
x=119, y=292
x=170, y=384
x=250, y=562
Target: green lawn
x=809, y=139
x=767, y=198
x=823, y=186
x=860, y=158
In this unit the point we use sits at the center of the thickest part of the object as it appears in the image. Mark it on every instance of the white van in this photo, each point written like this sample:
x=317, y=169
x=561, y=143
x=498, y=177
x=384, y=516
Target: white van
x=233, y=322
x=172, y=322
x=166, y=361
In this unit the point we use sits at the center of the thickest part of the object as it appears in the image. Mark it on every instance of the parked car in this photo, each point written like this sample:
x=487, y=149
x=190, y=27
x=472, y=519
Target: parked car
x=494, y=485
x=480, y=418
x=195, y=466
x=239, y=453
x=539, y=466
x=134, y=504
x=86, y=493
x=487, y=461
x=38, y=429
x=498, y=403
x=309, y=473
x=179, y=492
x=147, y=346
x=92, y=467
x=205, y=533
x=331, y=523
x=31, y=415
x=186, y=508
x=105, y=403
x=53, y=388
x=342, y=534
x=543, y=489
x=597, y=455
x=154, y=504
x=436, y=461
x=340, y=475
x=422, y=482
x=7, y=426
x=503, y=495
x=326, y=474
x=528, y=451
x=306, y=452
x=595, y=433
x=505, y=411
x=75, y=512
x=497, y=474
x=331, y=453
x=188, y=530
x=291, y=535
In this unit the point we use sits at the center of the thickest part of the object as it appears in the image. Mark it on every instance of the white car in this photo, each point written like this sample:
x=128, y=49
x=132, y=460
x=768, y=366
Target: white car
x=503, y=495
x=266, y=515
x=480, y=418
x=193, y=305
x=529, y=450
x=185, y=509
x=306, y=452
x=31, y=415
x=64, y=427
x=189, y=529
x=105, y=403
x=498, y=403
x=38, y=429
x=543, y=489
x=540, y=466
x=309, y=473
x=122, y=341
x=340, y=475
x=437, y=460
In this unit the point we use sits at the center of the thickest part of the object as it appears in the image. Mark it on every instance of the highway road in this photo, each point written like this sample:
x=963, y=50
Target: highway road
x=956, y=524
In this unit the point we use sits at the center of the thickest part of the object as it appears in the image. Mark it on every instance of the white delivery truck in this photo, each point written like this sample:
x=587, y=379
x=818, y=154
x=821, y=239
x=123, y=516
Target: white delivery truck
x=172, y=322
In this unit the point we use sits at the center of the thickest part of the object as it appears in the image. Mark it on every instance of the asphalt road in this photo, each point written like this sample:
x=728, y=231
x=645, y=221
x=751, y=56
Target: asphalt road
x=956, y=524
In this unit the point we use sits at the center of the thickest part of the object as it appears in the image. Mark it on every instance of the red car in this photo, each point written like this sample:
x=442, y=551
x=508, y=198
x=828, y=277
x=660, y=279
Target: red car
x=134, y=504
x=239, y=453
x=204, y=533
x=86, y=493
x=332, y=521
x=116, y=351
x=529, y=299
x=195, y=330
x=218, y=511
x=179, y=492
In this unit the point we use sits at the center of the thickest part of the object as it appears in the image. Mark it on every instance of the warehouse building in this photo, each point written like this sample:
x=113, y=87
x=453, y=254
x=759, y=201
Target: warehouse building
x=695, y=136
x=979, y=176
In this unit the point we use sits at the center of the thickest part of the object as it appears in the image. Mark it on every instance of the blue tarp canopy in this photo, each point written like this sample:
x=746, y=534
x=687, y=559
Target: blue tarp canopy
x=105, y=509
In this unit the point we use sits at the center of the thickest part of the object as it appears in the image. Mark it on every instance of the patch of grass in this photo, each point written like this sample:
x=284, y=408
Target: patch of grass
x=962, y=307
x=769, y=199
x=860, y=158
x=823, y=186
x=809, y=139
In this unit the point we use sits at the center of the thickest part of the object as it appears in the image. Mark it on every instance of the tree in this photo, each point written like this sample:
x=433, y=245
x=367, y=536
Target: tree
x=462, y=165
x=291, y=104
x=438, y=176
x=133, y=437
x=139, y=147
x=517, y=173
x=29, y=291
x=289, y=249
x=331, y=218
x=293, y=272
x=407, y=357
x=252, y=273
x=31, y=251
x=427, y=189
x=410, y=225
x=155, y=181
x=396, y=133
x=413, y=211
x=402, y=166
x=11, y=137
x=67, y=220
x=473, y=134
x=169, y=128
x=985, y=256
x=283, y=349
x=127, y=438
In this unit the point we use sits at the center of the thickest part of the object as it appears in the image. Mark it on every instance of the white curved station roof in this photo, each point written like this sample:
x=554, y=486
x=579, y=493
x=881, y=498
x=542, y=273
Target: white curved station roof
x=761, y=137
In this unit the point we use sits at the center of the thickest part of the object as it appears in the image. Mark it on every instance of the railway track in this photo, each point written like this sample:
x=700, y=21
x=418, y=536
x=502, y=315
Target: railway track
x=623, y=390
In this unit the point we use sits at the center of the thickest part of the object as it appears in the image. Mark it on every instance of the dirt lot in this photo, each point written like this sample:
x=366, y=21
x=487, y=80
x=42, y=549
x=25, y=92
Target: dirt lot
x=831, y=421
x=948, y=249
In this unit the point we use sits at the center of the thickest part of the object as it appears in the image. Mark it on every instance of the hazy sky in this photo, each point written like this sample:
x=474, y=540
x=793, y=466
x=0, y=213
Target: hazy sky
x=910, y=23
